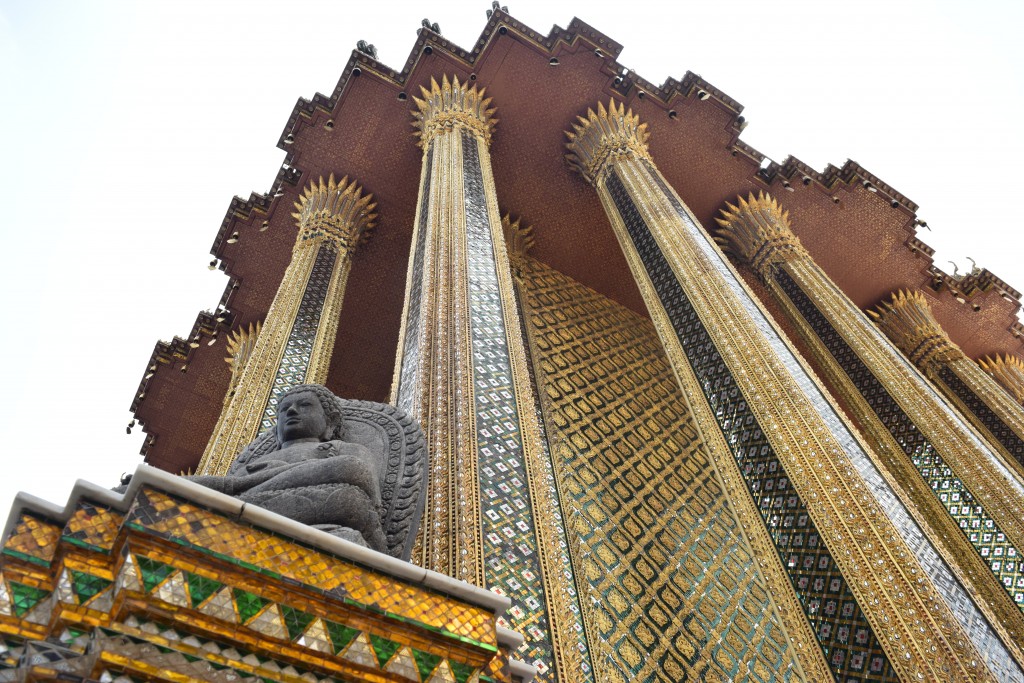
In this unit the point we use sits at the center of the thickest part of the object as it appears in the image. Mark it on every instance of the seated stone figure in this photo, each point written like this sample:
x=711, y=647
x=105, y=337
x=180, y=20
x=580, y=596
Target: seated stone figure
x=351, y=468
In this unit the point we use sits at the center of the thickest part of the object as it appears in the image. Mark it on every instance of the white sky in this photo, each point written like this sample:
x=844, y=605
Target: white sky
x=127, y=127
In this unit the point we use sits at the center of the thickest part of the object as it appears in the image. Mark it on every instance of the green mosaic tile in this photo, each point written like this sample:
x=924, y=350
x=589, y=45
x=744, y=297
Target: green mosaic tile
x=340, y=635
x=461, y=671
x=383, y=648
x=295, y=621
x=153, y=572
x=425, y=663
x=24, y=598
x=200, y=588
x=249, y=605
x=87, y=586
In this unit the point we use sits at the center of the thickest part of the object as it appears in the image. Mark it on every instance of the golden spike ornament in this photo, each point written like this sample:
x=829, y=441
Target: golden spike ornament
x=1008, y=370
x=452, y=105
x=240, y=345
x=518, y=241
x=908, y=321
x=604, y=135
x=757, y=230
x=336, y=211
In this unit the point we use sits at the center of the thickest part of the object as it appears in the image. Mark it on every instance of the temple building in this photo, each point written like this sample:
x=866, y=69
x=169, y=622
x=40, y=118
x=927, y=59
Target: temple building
x=689, y=414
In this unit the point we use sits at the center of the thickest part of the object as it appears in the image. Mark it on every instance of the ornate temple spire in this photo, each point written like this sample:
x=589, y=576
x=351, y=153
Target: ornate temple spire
x=757, y=230
x=1008, y=370
x=460, y=355
x=297, y=337
x=908, y=321
x=746, y=386
x=604, y=135
x=452, y=105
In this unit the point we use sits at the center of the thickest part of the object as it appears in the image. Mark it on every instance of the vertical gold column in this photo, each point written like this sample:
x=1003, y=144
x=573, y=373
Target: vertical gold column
x=295, y=342
x=755, y=402
x=1009, y=372
x=964, y=496
x=909, y=323
x=491, y=517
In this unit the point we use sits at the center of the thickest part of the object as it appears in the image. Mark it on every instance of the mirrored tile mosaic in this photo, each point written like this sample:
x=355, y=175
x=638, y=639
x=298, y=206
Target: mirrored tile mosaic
x=410, y=346
x=948, y=586
x=847, y=639
x=509, y=531
x=984, y=535
x=999, y=429
x=297, y=352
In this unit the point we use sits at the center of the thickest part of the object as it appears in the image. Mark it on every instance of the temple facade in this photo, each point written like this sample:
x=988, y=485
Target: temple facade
x=690, y=413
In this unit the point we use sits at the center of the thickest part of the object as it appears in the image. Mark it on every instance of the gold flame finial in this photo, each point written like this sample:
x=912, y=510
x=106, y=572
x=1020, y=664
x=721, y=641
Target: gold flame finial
x=337, y=211
x=518, y=241
x=1008, y=370
x=908, y=321
x=605, y=135
x=452, y=105
x=757, y=230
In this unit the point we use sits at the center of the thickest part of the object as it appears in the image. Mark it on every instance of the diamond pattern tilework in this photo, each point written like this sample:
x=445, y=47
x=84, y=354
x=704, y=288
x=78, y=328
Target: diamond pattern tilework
x=25, y=597
x=410, y=348
x=33, y=539
x=1002, y=557
x=86, y=586
x=93, y=526
x=509, y=530
x=838, y=621
x=999, y=429
x=297, y=351
x=248, y=546
x=673, y=587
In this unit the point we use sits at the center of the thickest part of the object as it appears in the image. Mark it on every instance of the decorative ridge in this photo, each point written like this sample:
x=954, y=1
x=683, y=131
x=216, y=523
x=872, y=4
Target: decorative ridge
x=757, y=230
x=1008, y=371
x=518, y=241
x=335, y=211
x=178, y=351
x=907, y=320
x=603, y=136
x=449, y=106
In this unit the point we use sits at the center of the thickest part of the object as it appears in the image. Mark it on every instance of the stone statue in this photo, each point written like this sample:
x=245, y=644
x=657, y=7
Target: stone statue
x=355, y=469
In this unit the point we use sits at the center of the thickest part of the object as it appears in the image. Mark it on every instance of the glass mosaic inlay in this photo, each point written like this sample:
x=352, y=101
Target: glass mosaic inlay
x=959, y=601
x=979, y=528
x=847, y=639
x=674, y=592
x=509, y=533
x=999, y=429
x=297, y=352
x=410, y=347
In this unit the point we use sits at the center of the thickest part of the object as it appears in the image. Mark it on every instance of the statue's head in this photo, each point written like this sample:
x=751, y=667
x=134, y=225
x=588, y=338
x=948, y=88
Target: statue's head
x=309, y=411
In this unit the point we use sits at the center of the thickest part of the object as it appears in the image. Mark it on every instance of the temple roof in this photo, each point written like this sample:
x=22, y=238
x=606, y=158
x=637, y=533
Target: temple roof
x=859, y=229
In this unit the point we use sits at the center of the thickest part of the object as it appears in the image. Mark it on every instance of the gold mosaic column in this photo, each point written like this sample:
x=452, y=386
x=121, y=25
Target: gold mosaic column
x=965, y=498
x=1009, y=372
x=908, y=321
x=491, y=515
x=775, y=437
x=295, y=343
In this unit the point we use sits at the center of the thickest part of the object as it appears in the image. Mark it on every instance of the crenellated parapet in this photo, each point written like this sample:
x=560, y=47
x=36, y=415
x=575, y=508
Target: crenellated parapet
x=757, y=230
x=450, y=106
x=1008, y=371
x=907, y=320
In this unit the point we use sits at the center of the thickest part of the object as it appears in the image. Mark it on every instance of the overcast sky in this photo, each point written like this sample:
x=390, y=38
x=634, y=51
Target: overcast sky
x=128, y=126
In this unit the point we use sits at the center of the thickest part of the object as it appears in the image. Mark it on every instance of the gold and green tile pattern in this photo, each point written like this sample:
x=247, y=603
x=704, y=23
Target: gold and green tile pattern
x=170, y=590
